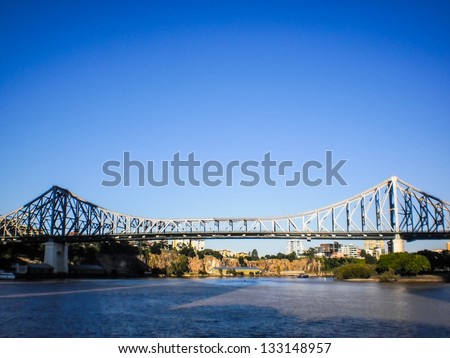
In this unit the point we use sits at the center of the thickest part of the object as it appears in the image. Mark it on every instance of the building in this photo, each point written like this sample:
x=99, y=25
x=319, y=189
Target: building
x=197, y=245
x=33, y=269
x=448, y=246
x=375, y=248
x=227, y=253
x=329, y=250
x=295, y=245
x=349, y=251
x=241, y=254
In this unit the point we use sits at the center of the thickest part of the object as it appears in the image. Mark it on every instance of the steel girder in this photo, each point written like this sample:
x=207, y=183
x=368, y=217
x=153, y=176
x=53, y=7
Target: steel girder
x=389, y=208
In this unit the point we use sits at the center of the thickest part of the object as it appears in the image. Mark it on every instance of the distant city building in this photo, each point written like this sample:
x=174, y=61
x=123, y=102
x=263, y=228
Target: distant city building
x=295, y=245
x=241, y=254
x=349, y=251
x=375, y=248
x=226, y=253
x=197, y=245
x=329, y=249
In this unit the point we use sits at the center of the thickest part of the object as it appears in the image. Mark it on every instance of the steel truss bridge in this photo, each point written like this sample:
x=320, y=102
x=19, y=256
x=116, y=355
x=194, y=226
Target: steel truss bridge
x=391, y=209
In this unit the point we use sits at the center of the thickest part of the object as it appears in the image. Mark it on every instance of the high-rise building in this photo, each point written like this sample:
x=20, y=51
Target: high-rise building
x=295, y=245
x=375, y=248
x=349, y=250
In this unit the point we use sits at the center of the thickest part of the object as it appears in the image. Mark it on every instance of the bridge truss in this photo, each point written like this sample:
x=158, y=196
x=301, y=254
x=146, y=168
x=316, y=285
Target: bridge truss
x=390, y=208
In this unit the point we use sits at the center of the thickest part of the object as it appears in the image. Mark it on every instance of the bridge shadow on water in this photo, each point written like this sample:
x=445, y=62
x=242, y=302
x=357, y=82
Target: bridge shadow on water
x=430, y=291
x=180, y=308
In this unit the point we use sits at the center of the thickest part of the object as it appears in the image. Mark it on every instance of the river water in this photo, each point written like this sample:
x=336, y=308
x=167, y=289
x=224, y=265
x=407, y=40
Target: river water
x=223, y=307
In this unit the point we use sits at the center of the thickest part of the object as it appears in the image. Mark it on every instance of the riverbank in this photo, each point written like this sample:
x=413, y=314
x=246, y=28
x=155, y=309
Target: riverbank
x=444, y=278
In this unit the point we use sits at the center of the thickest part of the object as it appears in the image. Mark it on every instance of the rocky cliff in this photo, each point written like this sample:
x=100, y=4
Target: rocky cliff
x=162, y=262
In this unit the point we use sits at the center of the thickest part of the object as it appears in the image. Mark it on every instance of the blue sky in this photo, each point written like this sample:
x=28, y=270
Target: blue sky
x=82, y=82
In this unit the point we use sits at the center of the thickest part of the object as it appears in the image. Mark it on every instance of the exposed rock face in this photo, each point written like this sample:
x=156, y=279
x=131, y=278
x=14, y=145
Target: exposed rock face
x=162, y=261
x=207, y=264
x=278, y=266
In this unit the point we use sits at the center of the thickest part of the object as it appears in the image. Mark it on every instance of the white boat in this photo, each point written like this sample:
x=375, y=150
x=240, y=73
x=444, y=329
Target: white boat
x=7, y=275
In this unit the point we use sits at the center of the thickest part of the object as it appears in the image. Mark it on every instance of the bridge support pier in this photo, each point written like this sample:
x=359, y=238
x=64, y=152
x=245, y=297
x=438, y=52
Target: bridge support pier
x=397, y=244
x=57, y=255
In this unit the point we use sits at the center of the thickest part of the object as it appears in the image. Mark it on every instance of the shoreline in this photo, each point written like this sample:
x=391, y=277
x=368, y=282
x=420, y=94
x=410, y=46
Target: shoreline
x=445, y=278
x=416, y=279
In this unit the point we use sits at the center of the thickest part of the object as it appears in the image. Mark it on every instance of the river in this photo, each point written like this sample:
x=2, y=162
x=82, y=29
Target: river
x=223, y=307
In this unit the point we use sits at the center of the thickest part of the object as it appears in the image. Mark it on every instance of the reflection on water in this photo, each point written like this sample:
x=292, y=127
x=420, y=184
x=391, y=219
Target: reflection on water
x=228, y=307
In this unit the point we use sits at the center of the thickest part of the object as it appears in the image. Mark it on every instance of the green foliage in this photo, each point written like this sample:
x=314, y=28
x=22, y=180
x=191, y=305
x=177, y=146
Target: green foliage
x=292, y=256
x=369, y=259
x=188, y=251
x=158, y=246
x=179, y=267
x=254, y=255
x=330, y=264
x=242, y=262
x=388, y=276
x=280, y=256
x=403, y=263
x=438, y=261
x=87, y=253
x=210, y=252
x=10, y=253
x=310, y=253
x=155, y=249
x=353, y=271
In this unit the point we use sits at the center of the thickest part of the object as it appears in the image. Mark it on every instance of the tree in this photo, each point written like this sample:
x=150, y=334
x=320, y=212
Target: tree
x=311, y=253
x=155, y=248
x=242, y=262
x=188, y=251
x=179, y=267
x=254, y=254
x=353, y=271
x=210, y=252
x=438, y=261
x=403, y=263
x=292, y=256
x=369, y=259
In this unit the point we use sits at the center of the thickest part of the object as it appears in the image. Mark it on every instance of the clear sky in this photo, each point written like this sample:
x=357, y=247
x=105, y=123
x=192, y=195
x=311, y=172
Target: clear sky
x=83, y=81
